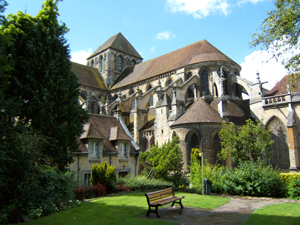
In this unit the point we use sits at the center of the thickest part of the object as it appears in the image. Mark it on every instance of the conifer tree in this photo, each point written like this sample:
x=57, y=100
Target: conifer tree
x=42, y=83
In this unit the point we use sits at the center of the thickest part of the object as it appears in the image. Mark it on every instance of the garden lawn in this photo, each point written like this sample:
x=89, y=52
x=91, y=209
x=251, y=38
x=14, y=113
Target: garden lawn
x=122, y=209
x=283, y=213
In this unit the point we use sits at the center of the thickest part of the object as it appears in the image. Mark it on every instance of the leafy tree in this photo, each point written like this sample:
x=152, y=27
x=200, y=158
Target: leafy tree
x=281, y=31
x=41, y=82
x=165, y=161
x=249, y=142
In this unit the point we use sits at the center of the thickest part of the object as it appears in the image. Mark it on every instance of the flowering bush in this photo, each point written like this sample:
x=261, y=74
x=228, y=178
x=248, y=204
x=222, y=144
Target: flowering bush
x=100, y=190
x=294, y=187
x=288, y=176
x=80, y=193
x=122, y=188
x=83, y=192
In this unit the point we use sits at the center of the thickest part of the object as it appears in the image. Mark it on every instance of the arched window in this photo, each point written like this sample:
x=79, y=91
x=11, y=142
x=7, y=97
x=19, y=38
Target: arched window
x=204, y=81
x=93, y=63
x=150, y=102
x=191, y=92
x=169, y=82
x=133, y=62
x=131, y=91
x=120, y=63
x=225, y=91
x=102, y=63
x=280, y=148
x=216, y=91
x=193, y=139
x=149, y=87
x=133, y=105
x=83, y=95
x=188, y=76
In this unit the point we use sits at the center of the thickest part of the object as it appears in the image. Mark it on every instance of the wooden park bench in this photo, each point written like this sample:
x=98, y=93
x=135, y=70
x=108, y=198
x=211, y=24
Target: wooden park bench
x=160, y=198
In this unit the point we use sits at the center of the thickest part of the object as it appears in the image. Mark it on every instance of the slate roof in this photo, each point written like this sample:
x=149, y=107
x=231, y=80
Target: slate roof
x=281, y=87
x=99, y=127
x=201, y=51
x=117, y=42
x=88, y=76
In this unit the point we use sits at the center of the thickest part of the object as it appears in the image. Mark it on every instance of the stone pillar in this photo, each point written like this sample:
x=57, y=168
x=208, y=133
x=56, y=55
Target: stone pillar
x=294, y=159
x=184, y=149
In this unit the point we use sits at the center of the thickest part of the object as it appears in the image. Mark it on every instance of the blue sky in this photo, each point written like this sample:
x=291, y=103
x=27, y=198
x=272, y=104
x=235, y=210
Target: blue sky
x=156, y=27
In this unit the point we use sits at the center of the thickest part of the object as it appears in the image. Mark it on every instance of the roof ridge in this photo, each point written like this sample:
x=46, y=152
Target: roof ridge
x=112, y=43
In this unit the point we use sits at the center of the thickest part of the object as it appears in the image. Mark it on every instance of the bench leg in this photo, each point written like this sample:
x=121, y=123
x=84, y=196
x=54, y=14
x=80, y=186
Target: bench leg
x=178, y=203
x=156, y=211
x=148, y=213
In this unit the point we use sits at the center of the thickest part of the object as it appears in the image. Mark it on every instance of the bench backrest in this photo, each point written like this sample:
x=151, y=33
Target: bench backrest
x=161, y=194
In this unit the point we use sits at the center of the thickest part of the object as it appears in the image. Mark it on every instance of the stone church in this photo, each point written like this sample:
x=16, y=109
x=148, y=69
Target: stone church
x=186, y=93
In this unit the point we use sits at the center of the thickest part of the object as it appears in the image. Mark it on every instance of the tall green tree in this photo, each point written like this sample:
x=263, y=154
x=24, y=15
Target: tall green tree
x=249, y=142
x=280, y=31
x=42, y=83
x=165, y=161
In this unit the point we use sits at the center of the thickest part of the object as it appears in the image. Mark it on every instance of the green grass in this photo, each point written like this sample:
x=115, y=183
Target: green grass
x=123, y=209
x=283, y=213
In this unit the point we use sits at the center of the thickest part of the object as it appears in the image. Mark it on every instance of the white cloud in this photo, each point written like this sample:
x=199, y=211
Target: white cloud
x=152, y=49
x=202, y=8
x=199, y=8
x=269, y=68
x=165, y=35
x=251, y=1
x=80, y=56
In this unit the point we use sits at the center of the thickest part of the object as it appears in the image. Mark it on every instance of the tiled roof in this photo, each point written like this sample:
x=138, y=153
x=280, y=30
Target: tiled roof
x=238, y=110
x=99, y=127
x=207, y=112
x=201, y=51
x=117, y=42
x=199, y=112
x=88, y=76
x=82, y=147
x=103, y=124
x=281, y=87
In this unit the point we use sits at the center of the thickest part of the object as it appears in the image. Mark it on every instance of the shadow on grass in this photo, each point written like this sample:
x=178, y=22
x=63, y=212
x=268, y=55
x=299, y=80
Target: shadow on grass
x=205, y=216
x=121, y=209
x=131, y=208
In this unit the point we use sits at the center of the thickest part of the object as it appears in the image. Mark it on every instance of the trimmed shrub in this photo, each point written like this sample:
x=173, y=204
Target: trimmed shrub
x=141, y=183
x=104, y=174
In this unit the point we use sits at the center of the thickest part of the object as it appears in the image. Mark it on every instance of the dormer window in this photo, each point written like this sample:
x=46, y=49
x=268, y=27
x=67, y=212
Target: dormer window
x=95, y=149
x=123, y=151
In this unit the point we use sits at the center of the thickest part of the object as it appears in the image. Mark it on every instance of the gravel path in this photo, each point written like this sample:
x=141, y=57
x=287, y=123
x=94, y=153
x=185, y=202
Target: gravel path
x=234, y=212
